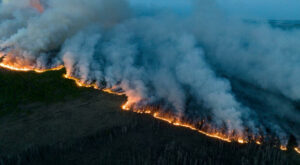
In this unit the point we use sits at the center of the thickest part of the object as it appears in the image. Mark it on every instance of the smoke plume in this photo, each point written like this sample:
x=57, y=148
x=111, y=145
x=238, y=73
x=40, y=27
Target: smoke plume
x=240, y=77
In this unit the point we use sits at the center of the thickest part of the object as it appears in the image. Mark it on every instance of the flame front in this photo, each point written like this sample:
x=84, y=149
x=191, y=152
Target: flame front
x=126, y=106
x=283, y=148
x=210, y=132
x=10, y=62
x=176, y=122
x=79, y=83
x=29, y=69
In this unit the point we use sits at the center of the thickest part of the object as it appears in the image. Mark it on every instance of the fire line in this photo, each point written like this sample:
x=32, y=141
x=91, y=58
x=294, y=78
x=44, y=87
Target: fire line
x=126, y=107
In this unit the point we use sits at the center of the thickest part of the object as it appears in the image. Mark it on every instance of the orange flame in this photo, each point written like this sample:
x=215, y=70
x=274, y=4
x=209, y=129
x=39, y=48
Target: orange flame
x=126, y=106
x=242, y=141
x=13, y=63
x=283, y=148
x=216, y=135
x=28, y=69
x=37, y=5
x=110, y=91
x=79, y=83
x=210, y=132
x=178, y=123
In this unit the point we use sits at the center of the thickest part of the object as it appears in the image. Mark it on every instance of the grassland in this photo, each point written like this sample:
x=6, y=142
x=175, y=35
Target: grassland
x=46, y=119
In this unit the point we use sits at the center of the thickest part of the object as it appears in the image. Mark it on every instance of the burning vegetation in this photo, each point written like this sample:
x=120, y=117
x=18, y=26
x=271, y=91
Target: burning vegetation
x=182, y=76
x=201, y=127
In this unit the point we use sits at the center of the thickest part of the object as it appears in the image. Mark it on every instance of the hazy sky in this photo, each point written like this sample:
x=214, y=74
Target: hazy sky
x=257, y=9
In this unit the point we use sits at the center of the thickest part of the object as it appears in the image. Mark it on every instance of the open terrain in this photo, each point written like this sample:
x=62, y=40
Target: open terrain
x=45, y=119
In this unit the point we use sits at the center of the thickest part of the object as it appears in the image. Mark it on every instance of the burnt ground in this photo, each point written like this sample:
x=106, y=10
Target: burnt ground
x=90, y=128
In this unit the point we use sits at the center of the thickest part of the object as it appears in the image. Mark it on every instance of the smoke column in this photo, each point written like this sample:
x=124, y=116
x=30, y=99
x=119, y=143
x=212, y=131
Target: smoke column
x=240, y=77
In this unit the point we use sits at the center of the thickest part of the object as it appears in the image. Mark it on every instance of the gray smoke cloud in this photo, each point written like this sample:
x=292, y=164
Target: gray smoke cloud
x=200, y=64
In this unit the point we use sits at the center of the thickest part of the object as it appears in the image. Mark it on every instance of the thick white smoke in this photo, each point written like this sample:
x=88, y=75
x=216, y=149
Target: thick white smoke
x=199, y=64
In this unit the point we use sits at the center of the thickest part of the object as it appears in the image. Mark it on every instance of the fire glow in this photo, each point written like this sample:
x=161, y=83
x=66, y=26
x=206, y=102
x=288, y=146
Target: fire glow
x=283, y=148
x=16, y=63
x=126, y=106
x=176, y=122
x=28, y=69
x=297, y=150
x=216, y=135
x=79, y=83
x=210, y=132
x=37, y=5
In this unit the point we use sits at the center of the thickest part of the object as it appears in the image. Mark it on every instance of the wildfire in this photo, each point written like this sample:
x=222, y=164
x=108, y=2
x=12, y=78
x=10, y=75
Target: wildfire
x=242, y=141
x=210, y=132
x=126, y=107
x=28, y=69
x=37, y=5
x=216, y=135
x=33, y=3
x=79, y=83
x=283, y=148
x=110, y=91
x=177, y=122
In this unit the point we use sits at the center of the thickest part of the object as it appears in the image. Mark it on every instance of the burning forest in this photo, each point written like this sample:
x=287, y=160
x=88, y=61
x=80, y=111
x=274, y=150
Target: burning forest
x=220, y=76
